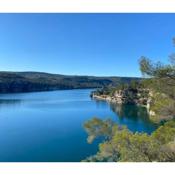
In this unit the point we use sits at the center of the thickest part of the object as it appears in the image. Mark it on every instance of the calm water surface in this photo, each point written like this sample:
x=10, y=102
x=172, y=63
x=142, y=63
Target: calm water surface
x=48, y=126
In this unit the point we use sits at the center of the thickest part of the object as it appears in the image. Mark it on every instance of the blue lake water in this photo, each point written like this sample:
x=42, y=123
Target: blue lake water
x=48, y=126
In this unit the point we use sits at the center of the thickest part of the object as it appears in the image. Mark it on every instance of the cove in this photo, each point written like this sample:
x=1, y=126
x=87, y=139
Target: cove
x=48, y=126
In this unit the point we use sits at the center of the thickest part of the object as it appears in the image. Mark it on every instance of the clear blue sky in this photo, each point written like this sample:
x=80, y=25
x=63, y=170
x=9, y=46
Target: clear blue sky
x=84, y=44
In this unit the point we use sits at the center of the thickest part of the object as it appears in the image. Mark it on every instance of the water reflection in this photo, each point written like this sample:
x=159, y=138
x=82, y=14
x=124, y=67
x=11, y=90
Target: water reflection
x=9, y=102
x=130, y=111
x=136, y=118
x=101, y=103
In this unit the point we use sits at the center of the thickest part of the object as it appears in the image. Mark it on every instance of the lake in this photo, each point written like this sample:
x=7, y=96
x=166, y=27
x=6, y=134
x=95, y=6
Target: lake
x=48, y=126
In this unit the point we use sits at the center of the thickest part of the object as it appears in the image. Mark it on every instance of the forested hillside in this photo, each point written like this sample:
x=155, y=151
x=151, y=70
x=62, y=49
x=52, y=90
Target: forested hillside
x=37, y=81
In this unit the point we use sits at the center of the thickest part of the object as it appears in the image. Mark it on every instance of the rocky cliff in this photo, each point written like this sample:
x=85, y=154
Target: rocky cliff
x=126, y=96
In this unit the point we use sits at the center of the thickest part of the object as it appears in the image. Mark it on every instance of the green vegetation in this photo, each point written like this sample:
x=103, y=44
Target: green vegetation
x=161, y=82
x=120, y=144
x=132, y=85
x=37, y=81
x=133, y=92
x=156, y=91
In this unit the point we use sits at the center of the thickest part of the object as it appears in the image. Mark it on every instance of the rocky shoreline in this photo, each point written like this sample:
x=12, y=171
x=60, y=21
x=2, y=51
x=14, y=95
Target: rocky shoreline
x=122, y=97
x=126, y=97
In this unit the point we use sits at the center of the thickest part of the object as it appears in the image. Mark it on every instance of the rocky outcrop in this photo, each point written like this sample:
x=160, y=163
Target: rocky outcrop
x=127, y=96
x=140, y=97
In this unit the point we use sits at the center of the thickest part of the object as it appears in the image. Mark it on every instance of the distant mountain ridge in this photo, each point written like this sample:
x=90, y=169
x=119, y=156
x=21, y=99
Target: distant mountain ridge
x=11, y=82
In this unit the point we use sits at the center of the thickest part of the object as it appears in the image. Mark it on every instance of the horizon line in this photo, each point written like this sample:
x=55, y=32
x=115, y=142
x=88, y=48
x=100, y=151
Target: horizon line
x=71, y=74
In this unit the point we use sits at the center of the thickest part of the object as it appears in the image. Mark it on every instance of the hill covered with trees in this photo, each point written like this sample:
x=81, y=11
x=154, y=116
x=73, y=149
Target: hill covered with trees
x=132, y=93
x=11, y=82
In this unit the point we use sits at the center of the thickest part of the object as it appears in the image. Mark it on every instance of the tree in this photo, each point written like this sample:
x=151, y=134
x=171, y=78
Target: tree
x=119, y=143
x=124, y=145
x=160, y=79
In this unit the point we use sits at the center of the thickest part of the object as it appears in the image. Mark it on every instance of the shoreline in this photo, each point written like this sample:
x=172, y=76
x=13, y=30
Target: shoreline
x=113, y=100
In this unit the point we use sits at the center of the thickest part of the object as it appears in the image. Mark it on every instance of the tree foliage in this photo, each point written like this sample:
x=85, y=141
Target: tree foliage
x=161, y=81
x=161, y=77
x=120, y=144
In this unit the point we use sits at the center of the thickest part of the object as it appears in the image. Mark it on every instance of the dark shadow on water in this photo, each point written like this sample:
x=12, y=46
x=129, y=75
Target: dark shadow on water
x=136, y=118
x=130, y=111
x=9, y=102
x=101, y=103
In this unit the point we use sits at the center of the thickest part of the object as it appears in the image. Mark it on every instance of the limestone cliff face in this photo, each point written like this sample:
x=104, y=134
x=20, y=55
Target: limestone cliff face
x=126, y=96
x=139, y=96
x=149, y=102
